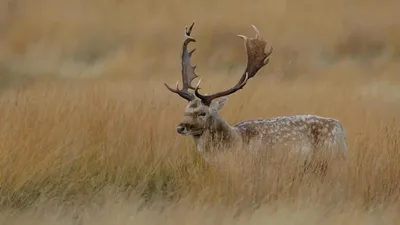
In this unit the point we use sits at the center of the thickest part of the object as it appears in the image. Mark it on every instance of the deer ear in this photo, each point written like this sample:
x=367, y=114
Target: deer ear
x=219, y=104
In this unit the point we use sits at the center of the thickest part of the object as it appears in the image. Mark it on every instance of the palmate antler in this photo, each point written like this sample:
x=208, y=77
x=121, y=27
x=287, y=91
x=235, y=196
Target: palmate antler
x=188, y=74
x=256, y=59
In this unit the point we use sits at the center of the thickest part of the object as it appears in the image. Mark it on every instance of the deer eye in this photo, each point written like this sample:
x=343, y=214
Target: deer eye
x=202, y=114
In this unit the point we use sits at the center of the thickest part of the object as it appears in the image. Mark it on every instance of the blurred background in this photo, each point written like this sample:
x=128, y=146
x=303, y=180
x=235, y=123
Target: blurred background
x=86, y=119
x=141, y=39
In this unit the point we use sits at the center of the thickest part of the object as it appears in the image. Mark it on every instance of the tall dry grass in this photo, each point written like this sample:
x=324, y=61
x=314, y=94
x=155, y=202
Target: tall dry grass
x=74, y=143
x=101, y=148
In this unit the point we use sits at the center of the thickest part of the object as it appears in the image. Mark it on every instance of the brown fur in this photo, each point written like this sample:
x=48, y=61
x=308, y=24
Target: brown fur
x=303, y=134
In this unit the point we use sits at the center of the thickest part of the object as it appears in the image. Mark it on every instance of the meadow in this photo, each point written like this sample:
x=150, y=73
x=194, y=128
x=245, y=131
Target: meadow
x=88, y=131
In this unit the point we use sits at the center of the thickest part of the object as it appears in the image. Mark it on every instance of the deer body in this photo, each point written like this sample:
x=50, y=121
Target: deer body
x=306, y=134
x=303, y=134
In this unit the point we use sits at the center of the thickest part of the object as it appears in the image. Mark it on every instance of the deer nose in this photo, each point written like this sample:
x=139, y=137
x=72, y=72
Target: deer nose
x=180, y=129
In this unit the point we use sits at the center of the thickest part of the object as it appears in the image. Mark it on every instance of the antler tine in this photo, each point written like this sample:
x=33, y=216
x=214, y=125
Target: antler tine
x=256, y=30
x=188, y=32
x=198, y=84
x=256, y=59
x=188, y=73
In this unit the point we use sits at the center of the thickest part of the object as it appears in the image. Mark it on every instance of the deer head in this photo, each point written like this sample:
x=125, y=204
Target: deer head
x=201, y=113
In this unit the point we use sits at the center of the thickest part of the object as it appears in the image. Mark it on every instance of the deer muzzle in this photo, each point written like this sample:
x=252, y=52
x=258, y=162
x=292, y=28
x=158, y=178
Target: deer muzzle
x=188, y=129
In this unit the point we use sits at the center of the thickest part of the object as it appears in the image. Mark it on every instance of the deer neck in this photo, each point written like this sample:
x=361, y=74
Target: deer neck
x=218, y=133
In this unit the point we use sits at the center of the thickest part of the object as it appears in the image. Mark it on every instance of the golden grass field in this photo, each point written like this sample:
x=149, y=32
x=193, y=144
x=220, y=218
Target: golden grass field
x=88, y=128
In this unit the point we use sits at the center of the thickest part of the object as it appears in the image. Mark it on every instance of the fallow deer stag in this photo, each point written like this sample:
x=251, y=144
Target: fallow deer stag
x=202, y=121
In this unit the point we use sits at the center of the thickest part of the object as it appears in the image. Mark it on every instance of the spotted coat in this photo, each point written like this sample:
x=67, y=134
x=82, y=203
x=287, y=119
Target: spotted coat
x=305, y=133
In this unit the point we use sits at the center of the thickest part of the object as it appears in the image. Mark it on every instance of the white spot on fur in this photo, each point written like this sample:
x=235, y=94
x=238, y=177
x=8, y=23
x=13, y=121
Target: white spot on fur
x=285, y=128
